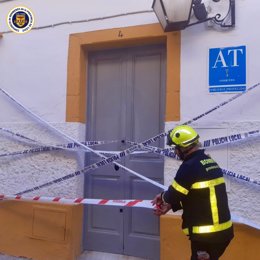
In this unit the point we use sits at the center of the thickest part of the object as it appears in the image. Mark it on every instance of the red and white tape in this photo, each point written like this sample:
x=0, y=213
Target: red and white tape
x=133, y=203
x=105, y=202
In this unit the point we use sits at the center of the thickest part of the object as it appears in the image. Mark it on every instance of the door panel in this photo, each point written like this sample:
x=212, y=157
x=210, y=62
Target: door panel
x=104, y=224
x=141, y=228
x=126, y=100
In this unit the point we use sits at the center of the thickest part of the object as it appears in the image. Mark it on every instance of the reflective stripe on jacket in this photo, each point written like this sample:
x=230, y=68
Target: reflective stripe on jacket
x=200, y=188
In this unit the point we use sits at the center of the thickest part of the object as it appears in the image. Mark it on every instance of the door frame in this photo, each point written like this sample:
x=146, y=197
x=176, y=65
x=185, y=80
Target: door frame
x=81, y=43
x=121, y=65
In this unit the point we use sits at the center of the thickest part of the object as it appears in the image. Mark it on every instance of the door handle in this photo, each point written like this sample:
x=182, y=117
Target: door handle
x=116, y=167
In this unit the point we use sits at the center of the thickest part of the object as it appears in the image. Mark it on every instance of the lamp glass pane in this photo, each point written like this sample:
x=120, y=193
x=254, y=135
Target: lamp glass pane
x=177, y=10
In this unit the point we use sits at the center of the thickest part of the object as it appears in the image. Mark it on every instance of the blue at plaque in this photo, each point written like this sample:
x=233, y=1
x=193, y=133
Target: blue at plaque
x=227, y=69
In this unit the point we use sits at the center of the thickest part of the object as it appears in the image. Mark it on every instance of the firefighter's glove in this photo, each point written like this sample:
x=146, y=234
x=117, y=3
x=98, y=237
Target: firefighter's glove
x=160, y=207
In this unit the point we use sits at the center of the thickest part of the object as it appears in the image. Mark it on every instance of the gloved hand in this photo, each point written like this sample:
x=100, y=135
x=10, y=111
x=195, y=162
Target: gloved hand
x=157, y=200
x=161, y=207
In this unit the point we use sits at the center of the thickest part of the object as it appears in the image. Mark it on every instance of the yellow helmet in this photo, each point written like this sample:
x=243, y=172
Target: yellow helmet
x=182, y=136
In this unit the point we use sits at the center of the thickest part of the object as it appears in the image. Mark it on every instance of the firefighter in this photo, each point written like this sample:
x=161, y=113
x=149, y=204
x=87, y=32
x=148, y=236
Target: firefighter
x=199, y=190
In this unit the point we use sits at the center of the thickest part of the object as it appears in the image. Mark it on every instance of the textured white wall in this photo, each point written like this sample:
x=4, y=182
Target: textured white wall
x=196, y=42
x=33, y=68
x=22, y=172
x=240, y=115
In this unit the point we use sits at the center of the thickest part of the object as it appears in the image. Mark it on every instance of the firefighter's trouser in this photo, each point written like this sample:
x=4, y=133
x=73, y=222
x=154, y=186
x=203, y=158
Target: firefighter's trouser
x=214, y=250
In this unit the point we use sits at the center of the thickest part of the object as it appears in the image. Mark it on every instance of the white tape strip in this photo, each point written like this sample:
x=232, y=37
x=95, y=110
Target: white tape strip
x=51, y=148
x=147, y=142
x=61, y=146
x=166, y=152
x=104, y=202
x=129, y=150
x=205, y=144
x=68, y=146
x=215, y=142
x=87, y=169
x=105, y=161
x=240, y=177
x=229, y=139
x=222, y=104
x=18, y=135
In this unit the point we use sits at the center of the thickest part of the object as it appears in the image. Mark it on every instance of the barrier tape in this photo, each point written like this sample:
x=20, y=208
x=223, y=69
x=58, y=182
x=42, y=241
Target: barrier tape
x=153, y=139
x=87, y=169
x=105, y=161
x=240, y=177
x=55, y=148
x=222, y=104
x=229, y=139
x=26, y=139
x=52, y=148
x=133, y=203
x=17, y=135
x=96, y=165
x=123, y=153
x=215, y=142
x=117, y=152
x=225, y=172
x=205, y=144
x=69, y=145
x=166, y=152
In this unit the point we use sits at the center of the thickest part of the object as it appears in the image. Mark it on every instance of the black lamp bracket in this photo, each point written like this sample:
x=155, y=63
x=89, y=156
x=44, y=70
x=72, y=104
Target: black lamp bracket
x=201, y=14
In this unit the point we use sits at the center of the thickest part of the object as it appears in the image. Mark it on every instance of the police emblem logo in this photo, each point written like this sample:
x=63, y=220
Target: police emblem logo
x=20, y=19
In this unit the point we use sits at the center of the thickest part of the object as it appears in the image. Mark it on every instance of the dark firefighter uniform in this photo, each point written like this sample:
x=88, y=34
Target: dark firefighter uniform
x=199, y=189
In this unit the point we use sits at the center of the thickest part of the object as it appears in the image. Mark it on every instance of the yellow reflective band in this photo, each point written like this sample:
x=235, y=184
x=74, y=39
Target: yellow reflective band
x=213, y=205
x=207, y=184
x=186, y=231
x=209, y=229
x=179, y=188
x=214, y=208
x=213, y=198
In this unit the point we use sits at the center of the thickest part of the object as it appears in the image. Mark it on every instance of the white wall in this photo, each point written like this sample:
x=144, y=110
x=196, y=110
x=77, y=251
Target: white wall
x=40, y=56
x=239, y=116
x=33, y=68
x=196, y=42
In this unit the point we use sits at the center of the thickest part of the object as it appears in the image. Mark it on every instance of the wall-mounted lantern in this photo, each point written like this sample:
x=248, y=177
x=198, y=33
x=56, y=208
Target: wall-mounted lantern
x=175, y=15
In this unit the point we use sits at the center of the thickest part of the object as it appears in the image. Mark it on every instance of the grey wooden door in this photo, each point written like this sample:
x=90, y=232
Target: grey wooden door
x=126, y=101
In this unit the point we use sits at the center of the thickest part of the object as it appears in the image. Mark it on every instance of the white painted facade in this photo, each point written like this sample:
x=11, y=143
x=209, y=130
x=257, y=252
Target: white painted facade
x=33, y=69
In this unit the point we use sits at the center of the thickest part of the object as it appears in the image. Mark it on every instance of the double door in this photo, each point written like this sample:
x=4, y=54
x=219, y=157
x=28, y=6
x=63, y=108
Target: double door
x=125, y=101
